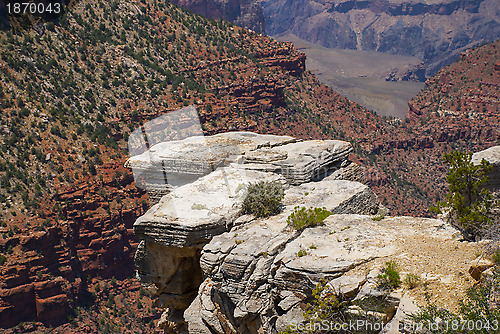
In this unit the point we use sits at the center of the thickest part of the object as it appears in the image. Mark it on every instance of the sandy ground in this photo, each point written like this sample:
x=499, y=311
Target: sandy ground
x=359, y=75
x=442, y=266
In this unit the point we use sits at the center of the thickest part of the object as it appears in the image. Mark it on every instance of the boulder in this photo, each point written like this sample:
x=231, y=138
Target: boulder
x=349, y=171
x=477, y=267
x=338, y=196
x=347, y=286
x=401, y=322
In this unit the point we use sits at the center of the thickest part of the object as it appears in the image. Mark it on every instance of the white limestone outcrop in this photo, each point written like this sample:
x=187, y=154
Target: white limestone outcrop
x=217, y=270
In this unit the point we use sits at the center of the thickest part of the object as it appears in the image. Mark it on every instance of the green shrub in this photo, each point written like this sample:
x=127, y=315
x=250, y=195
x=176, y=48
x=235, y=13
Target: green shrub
x=263, y=199
x=302, y=218
x=3, y=259
x=389, y=278
x=496, y=257
x=412, y=281
x=380, y=215
x=326, y=307
x=197, y=206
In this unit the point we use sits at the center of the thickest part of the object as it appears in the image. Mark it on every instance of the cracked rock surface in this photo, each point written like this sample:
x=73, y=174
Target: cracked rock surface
x=216, y=270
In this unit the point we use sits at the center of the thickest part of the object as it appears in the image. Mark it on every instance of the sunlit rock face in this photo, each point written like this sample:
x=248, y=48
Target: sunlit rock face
x=244, y=13
x=170, y=164
x=215, y=269
x=434, y=31
x=259, y=274
x=174, y=231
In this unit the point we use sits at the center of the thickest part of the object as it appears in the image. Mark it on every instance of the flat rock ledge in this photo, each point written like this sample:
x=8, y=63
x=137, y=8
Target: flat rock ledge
x=259, y=275
x=219, y=169
x=169, y=164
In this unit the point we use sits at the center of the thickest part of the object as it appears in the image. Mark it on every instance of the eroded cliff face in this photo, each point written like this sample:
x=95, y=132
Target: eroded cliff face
x=174, y=231
x=435, y=32
x=244, y=13
x=216, y=270
x=50, y=266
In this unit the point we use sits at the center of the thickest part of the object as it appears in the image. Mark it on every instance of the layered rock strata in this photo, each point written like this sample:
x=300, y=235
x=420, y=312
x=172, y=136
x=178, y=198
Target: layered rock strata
x=246, y=13
x=217, y=270
x=48, y=269
x=259, y=275
x=435, y=31
x=174, y=231
x=169, y=164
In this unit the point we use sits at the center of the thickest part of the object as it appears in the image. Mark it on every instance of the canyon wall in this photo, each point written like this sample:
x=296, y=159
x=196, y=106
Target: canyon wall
x=244, y=13
x=51, y=267
x=435, y=32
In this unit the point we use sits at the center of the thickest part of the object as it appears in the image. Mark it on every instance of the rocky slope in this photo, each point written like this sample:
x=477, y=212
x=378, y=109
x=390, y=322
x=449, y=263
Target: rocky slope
x=247, y=14
x=433, y=31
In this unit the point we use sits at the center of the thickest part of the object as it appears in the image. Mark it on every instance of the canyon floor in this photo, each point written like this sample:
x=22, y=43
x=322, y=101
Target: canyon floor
x=360, y=75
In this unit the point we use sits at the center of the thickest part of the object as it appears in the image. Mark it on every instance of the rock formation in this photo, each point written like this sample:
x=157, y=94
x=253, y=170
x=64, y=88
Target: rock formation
x=215, y=269
x=174, y=231
x=179, y=162
x=492, y=155
x=49, y=266
x=435, y=32
x=260, y=282
x=245, y=13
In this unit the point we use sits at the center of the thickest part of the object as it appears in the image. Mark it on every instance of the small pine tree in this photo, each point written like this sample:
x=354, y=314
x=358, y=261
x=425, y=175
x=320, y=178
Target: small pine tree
x=468, y=202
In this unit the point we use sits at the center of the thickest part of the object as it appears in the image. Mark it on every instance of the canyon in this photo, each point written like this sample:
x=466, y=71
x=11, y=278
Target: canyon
x=73, y=94
x=436, y=32
x=354, y=46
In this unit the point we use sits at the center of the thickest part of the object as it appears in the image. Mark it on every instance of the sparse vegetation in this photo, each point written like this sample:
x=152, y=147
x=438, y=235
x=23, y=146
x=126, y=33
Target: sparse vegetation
x=263, y=199
x=412, y=281
x=303, y=217
x=63, y=104
x=496, y=257
x=301, y=253
x=197, y=206
x=379, y=216
x=327, y=307
x=468, y=204
x=389, y=278
x=479, y=311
